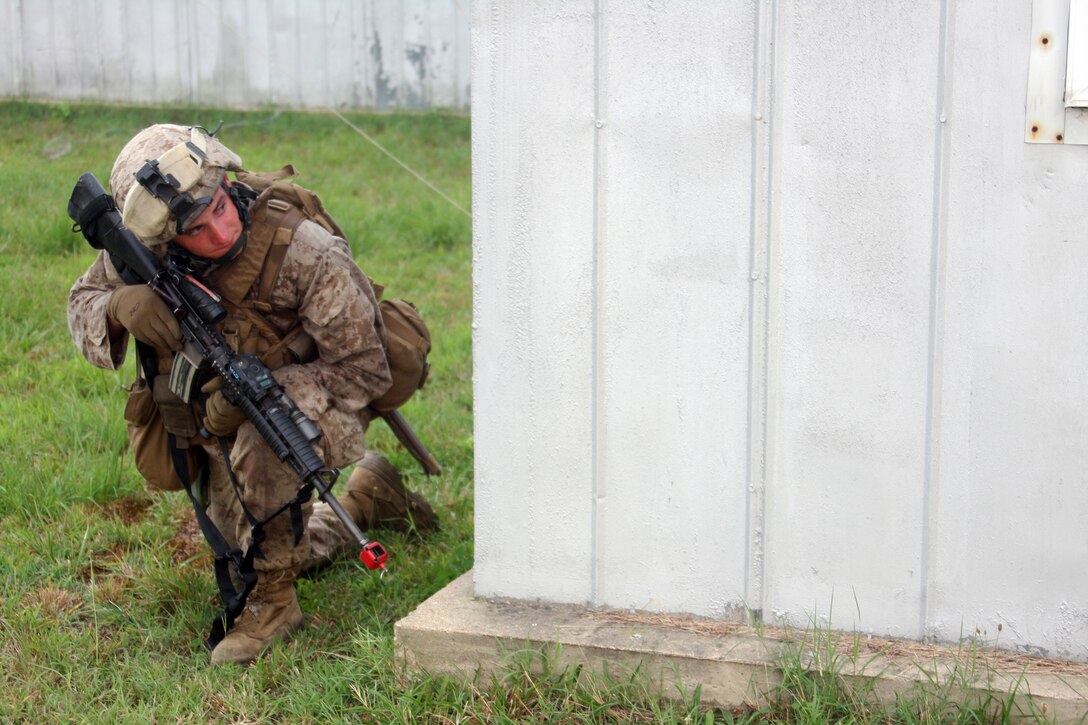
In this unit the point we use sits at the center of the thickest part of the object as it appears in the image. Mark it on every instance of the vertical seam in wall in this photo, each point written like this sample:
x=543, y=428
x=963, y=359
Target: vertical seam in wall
x=76, y=59
x=186, y=21
x=936, y=276
x=156, y=71
x=368, y=89
x=125, y=24
x=353, y=51
x=102, y=78
x=298, y=53
x=326, y=91
x=594, y=305
x=759, y=245
x=52, y=36
x=17, y=54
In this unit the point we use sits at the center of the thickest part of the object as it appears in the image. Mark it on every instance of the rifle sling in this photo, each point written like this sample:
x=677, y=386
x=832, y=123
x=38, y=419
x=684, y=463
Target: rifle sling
x=226, y=558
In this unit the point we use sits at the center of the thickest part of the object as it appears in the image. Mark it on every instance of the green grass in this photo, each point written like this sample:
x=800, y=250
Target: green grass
x=106, y=604
x=828, y=676
x=105, y=608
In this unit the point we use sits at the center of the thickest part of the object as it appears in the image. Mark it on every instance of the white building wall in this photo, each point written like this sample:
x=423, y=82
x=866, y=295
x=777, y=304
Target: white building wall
x=285, y=53
x=535, y=299
x=851, y=241
x=671, y=312
x=775, y=309
x=1011, y=446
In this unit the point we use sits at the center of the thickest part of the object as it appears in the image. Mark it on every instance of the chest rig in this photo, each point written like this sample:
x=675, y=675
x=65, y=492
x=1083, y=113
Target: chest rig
x=252, y=325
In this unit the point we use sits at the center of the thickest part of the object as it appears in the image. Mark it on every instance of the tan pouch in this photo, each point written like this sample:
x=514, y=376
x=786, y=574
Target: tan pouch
x=177, y=415
x=408, y=341
x=148, y=438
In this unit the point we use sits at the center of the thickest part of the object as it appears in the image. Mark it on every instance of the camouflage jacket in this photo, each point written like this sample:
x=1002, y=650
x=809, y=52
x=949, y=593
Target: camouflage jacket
x=320, y=286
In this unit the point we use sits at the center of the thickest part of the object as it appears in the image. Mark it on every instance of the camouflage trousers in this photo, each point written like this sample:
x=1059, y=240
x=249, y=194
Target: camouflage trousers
x=265, y=484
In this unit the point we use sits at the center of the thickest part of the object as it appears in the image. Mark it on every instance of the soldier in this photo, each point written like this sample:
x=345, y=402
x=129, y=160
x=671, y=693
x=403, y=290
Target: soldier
x=295, y=297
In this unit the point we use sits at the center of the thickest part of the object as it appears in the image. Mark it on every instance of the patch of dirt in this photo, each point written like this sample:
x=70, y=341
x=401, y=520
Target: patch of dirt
x=55, y=601
x=188, y=543
x=103, y=563
x=984, y=655
x=128, y=510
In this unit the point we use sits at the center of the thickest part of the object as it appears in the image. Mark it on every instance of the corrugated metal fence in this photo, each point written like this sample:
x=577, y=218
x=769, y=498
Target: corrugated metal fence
x=285, y=53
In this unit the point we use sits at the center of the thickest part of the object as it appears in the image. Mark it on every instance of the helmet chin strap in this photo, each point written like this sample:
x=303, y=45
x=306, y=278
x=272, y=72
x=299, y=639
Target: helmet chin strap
x=241, y=198
x=203, y=265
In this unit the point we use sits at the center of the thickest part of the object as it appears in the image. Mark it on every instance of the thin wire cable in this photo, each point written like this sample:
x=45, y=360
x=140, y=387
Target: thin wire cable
x=403, y=165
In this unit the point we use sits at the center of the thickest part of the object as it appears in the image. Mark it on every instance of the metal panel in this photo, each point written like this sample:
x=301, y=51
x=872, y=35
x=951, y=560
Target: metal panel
x=1013, y=445
x=1045, y=122
x=675, y=111
x=65, y=23
x=849, y=307
x=341, y=51
x=109, y=24
x=285, y=63
x=534, y=281
x=37, y=43
x=925, y=320
x=1076, y=68
x=200, y=52
x=312, y=39
x=254, y=31
x=236, y=72
x=281, y=52
x=437, y=58
x=387, y=56
x=166, y=72
x=11, y=51
x=1058, y=73
x=417, y=55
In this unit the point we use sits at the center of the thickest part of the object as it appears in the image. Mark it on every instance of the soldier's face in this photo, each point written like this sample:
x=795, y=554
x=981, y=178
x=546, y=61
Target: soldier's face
x=213, y=233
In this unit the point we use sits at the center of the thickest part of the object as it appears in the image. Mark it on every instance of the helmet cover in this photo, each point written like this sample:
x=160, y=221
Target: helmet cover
x=165, y=177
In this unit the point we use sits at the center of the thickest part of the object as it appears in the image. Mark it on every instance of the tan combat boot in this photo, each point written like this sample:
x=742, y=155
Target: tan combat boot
x=376, y=497
x=271, y=613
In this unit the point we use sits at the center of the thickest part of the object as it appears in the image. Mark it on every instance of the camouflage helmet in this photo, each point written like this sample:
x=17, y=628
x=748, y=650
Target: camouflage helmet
x=165, y=177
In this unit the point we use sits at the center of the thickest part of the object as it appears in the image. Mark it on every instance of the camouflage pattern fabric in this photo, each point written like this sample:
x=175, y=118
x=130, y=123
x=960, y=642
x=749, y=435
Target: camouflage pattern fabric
x=320, y=285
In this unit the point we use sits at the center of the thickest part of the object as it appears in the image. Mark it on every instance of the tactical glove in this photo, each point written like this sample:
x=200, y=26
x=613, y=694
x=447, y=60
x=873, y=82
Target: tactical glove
x=144, y=314
x=220, y=417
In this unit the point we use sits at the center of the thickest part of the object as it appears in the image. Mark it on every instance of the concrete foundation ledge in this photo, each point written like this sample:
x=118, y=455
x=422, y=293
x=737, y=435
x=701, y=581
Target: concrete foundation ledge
x=454, y=633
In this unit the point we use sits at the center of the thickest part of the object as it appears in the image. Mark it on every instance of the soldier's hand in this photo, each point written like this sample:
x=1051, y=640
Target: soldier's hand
x=145, y=315
x=220, y=417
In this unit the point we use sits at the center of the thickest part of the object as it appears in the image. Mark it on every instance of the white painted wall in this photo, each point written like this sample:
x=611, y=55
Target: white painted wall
x=283, y=53
x=776, y=309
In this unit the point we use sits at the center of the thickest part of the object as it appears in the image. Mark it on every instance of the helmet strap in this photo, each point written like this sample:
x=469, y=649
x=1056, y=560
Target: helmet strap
x=241, y=197
x=204, y=264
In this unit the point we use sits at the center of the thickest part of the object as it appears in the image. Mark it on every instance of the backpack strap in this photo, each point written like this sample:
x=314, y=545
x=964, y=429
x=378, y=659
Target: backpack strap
x=280, y=220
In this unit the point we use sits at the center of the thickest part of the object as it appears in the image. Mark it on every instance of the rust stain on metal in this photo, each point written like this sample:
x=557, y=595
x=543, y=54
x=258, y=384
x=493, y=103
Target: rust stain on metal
x=1045, y=40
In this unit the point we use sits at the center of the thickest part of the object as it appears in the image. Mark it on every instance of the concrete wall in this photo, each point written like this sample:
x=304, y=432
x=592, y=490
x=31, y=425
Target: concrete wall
x=286, y=53
x=776, y=310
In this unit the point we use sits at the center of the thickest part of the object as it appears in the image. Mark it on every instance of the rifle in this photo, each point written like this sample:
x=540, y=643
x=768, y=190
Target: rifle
x=247, y=382
x=408, y=438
